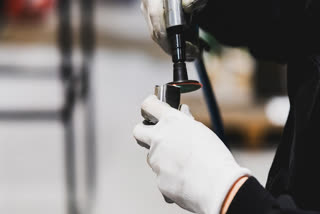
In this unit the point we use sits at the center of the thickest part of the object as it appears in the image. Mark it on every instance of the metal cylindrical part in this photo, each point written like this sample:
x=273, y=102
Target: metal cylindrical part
x=168, y=94
x=178, y=47
x=174, y=13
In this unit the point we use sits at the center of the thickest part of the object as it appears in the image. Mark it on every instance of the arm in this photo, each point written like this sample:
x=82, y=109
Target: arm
x=196, y=171
x=274, y=29
x=232, y=193
x=248, y=196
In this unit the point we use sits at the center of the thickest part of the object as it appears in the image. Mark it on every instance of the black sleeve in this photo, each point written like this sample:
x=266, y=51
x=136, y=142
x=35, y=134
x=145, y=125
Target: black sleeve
x=271, y=29
x=252, y=198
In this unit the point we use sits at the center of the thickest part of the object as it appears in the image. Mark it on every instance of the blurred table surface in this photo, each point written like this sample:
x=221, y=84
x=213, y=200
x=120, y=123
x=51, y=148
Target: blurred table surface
x=250, y=121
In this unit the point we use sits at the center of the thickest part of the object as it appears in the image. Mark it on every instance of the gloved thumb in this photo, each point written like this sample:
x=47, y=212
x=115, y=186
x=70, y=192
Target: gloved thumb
x=186, y=110
x=143, y=133
x=154, y=109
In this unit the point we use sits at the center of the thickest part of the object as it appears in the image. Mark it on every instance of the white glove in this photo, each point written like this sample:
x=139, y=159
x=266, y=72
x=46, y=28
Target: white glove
x=193, y=166
x=153, y=11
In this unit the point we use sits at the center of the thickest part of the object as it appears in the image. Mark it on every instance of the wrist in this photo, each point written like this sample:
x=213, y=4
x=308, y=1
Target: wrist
x=232, y=193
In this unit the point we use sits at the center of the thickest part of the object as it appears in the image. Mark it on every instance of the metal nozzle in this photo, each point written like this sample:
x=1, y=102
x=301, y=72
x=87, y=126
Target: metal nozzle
x=174, y=13
x=175, y=23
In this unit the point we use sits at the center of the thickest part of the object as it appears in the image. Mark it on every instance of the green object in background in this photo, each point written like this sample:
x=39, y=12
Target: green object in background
x=215, y=46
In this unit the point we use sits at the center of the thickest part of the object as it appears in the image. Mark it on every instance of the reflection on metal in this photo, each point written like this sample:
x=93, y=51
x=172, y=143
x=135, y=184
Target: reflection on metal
x=165, y=93
x=169, y=94
x=174, y=13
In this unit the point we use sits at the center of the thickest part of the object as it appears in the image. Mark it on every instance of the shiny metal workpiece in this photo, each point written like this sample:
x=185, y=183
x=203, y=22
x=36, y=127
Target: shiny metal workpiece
x=169, y=94
x=174, y=13
x=166, y=93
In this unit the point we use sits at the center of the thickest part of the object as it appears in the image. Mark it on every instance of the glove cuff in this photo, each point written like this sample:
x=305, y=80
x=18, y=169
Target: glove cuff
x=231, y=175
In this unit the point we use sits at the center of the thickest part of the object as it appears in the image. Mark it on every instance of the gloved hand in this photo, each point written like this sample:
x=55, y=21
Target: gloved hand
x=153, y=11
x=193, y=166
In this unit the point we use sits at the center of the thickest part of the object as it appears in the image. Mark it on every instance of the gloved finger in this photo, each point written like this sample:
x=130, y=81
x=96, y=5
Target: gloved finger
x=152, y=107
x=157, y=20
x=158, y=33
x=143, y=134
x=146, y=15
x=143, y=8
x=168, y=200
x=154, y=13
x=186, y=110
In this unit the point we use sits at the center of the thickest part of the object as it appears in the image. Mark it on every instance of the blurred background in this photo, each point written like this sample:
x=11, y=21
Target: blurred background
x=73, y=74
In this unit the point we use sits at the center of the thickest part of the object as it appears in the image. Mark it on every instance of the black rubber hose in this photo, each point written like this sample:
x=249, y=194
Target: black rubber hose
x=210, y=99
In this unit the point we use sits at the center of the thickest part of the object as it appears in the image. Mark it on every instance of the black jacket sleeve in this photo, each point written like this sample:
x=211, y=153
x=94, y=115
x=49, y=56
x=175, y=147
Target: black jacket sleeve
x=271, y=29
x=252, y=198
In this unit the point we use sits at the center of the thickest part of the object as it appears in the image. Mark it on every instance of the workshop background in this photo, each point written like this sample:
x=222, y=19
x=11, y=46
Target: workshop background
x=71, y=85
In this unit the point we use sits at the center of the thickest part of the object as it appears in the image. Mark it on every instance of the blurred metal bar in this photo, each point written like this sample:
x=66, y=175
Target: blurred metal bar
x=65, y=44
x=70, y=169
x=87, y=39
x=16, y=115
x=90, y=139
x=87, y=30
x=25, y=72
x=70, y=149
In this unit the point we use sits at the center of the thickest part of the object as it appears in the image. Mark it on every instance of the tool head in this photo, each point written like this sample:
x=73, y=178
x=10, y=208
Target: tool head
x=186, y=86
x=176, y=30
x=180, y=78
